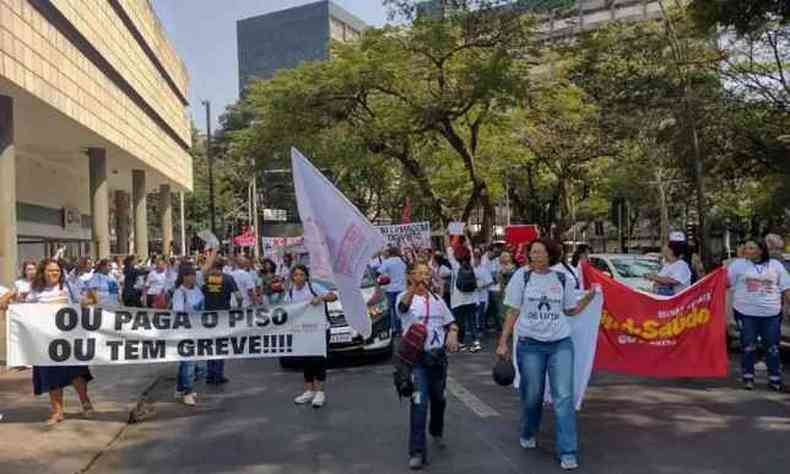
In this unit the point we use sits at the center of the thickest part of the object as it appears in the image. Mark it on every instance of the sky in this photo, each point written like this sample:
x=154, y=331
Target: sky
x=204, y=34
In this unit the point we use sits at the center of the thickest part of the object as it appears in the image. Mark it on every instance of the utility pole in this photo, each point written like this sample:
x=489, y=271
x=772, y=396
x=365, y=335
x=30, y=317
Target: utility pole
x=210, y=157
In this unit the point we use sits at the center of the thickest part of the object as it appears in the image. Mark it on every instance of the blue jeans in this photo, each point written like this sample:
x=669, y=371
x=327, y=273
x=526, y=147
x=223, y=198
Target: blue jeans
x=215, y=369
x=535, y=359
x=392, y=298
x=429, y=385
x=186, y=377
x=769, y=329
x=465, y=317
x=480, y=317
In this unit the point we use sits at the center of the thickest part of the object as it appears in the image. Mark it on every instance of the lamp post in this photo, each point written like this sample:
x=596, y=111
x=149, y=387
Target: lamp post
x=210, y=157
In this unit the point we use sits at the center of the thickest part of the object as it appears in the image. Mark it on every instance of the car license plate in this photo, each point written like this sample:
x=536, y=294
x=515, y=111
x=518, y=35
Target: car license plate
x=340, y=338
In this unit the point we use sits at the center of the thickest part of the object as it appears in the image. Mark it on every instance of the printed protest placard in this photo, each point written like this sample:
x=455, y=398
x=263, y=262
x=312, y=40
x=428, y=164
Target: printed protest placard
x=52, y=334
x=408, y=236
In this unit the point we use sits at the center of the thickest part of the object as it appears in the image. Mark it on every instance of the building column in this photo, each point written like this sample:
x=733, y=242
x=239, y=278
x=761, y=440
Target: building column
x=140, y=214
x=8, y=237
x=100, y=202
x=122, y=221
x=184, y=249
x=166, y=216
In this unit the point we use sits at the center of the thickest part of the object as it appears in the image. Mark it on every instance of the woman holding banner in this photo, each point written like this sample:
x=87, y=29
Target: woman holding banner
x=759, y=282
x=49, y=286
x=25, y=281
x=187, y=297
x=301, y=290
x=540, y=301
x=675, y=275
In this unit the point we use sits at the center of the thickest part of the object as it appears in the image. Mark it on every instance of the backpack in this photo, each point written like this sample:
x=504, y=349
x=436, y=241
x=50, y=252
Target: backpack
x=465, y=280
x=528, y=275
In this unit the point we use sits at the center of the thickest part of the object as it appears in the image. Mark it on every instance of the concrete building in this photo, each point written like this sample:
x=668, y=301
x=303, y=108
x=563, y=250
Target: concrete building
x=287, y=38
x=93, y=118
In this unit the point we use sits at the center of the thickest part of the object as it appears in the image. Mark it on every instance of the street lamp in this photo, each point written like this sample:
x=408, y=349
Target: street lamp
x=210, y=157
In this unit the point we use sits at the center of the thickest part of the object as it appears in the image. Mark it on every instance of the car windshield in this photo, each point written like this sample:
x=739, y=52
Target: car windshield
x=635, y=267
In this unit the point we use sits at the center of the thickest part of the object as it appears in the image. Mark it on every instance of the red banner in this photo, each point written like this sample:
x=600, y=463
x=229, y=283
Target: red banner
x=680, y=336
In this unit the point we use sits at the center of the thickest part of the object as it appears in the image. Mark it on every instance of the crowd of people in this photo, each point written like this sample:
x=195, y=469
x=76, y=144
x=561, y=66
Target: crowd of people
x=453, y=297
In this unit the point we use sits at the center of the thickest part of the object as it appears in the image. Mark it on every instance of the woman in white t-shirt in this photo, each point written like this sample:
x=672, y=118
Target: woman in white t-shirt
x=485, y=281
x=187, y=297
x=302, y=290
x=102, y=286
x=675, y=274
x=49, y=286
x=22, y=285
x=540, y=301
x=759, y=284
x=419, y=305
x=156, y=282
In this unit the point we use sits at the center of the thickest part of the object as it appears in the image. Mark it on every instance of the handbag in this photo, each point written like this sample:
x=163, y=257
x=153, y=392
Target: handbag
x=412, y=344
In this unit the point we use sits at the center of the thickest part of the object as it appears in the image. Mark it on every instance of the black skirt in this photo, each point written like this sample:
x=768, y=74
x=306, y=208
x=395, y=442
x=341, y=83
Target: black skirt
x=46, y=378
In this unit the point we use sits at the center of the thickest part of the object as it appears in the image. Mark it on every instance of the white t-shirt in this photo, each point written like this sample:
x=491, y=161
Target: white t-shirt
x=186, y=299
x=542, y=305
x=299, y=295
x=457, y=297
x=493, y=270
x=758, y=287
x=245, y=283
x=678, y=271
x=53, y=295
x=437, y=312
x=395, y=269
x=483, y=275
x=156, y=282
x=22, y=286
x=106, y=289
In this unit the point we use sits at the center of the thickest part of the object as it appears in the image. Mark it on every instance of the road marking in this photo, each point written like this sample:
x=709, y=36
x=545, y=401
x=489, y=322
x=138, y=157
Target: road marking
x=478, y=407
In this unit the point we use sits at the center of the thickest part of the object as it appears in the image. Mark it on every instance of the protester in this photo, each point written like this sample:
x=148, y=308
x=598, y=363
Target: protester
x=301, y=290
x=22, y=285
x=187, y=297
x=776, y=246
x=675, y=274
x=132, y=294
x=49, y=286
x=507, y=267
x=463, y=293
x=394, y=268
x=580, y=256
x=102, y=286
x=284, y=271
x=269, y=281
x=441, y=274
x=484, y=283
x=156, y=282
x=419, y=305
x=760, y=282
x=244, y=282
x=218, y=289
x=491, y=262
x=116, y=270
x=569, y=270
x=540, y=302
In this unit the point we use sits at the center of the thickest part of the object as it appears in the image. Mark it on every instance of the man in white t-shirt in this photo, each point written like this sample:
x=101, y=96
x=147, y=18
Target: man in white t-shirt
x=244, y=282
x=104, y=285
x=395, y=269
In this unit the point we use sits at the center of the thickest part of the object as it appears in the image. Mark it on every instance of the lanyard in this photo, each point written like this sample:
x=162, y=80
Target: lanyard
x=427, y=308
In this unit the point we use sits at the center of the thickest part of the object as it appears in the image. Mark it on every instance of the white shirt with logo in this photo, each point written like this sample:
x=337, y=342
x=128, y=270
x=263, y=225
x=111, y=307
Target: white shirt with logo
x=542, y=305
x=438, y=318
x=758, y=286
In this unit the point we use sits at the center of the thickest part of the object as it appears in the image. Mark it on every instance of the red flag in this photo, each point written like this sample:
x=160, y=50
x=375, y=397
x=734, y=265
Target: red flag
x=680, y=336
x=405, y=217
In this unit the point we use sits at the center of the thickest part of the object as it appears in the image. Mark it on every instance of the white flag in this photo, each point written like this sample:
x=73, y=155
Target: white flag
x=340, y=240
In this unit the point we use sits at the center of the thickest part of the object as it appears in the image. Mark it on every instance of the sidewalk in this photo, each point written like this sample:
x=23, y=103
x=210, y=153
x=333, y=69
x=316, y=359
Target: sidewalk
x=29, y=446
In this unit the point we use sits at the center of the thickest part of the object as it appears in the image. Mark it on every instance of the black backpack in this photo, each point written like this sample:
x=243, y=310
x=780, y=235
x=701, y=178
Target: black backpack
x=465, y=280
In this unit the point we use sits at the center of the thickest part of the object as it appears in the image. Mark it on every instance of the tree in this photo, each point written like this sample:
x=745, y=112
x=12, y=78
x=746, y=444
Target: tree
x=746, y=16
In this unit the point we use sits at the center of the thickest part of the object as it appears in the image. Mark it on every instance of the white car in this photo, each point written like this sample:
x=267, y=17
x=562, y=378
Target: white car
x=627, y=269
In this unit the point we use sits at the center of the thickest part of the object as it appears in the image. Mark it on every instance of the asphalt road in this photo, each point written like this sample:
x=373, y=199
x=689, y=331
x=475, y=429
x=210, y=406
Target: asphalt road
x=627, y=426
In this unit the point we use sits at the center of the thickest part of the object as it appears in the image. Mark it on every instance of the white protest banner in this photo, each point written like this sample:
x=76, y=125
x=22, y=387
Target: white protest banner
x=413, y=236
x=341, y=241
x=52, y=334
x=584, y=333
x=455, y=228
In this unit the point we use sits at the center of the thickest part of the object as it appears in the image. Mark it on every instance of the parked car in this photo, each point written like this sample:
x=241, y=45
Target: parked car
x=343, y=339
x=627, y=269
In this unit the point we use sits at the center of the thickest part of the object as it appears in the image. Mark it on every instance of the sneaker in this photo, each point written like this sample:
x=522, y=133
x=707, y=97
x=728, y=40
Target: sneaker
x=415, y=463
x=476, y=347
x=777, y=387
x=178, y=395
x=189, y=399
x=568, y=462
x=306, y=397
x=461, y=347
x=319, y=399
x=528, y=443
x=748, y=384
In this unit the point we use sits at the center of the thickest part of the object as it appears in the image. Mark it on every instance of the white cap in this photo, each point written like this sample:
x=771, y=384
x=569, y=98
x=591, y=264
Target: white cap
x=677, y=237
